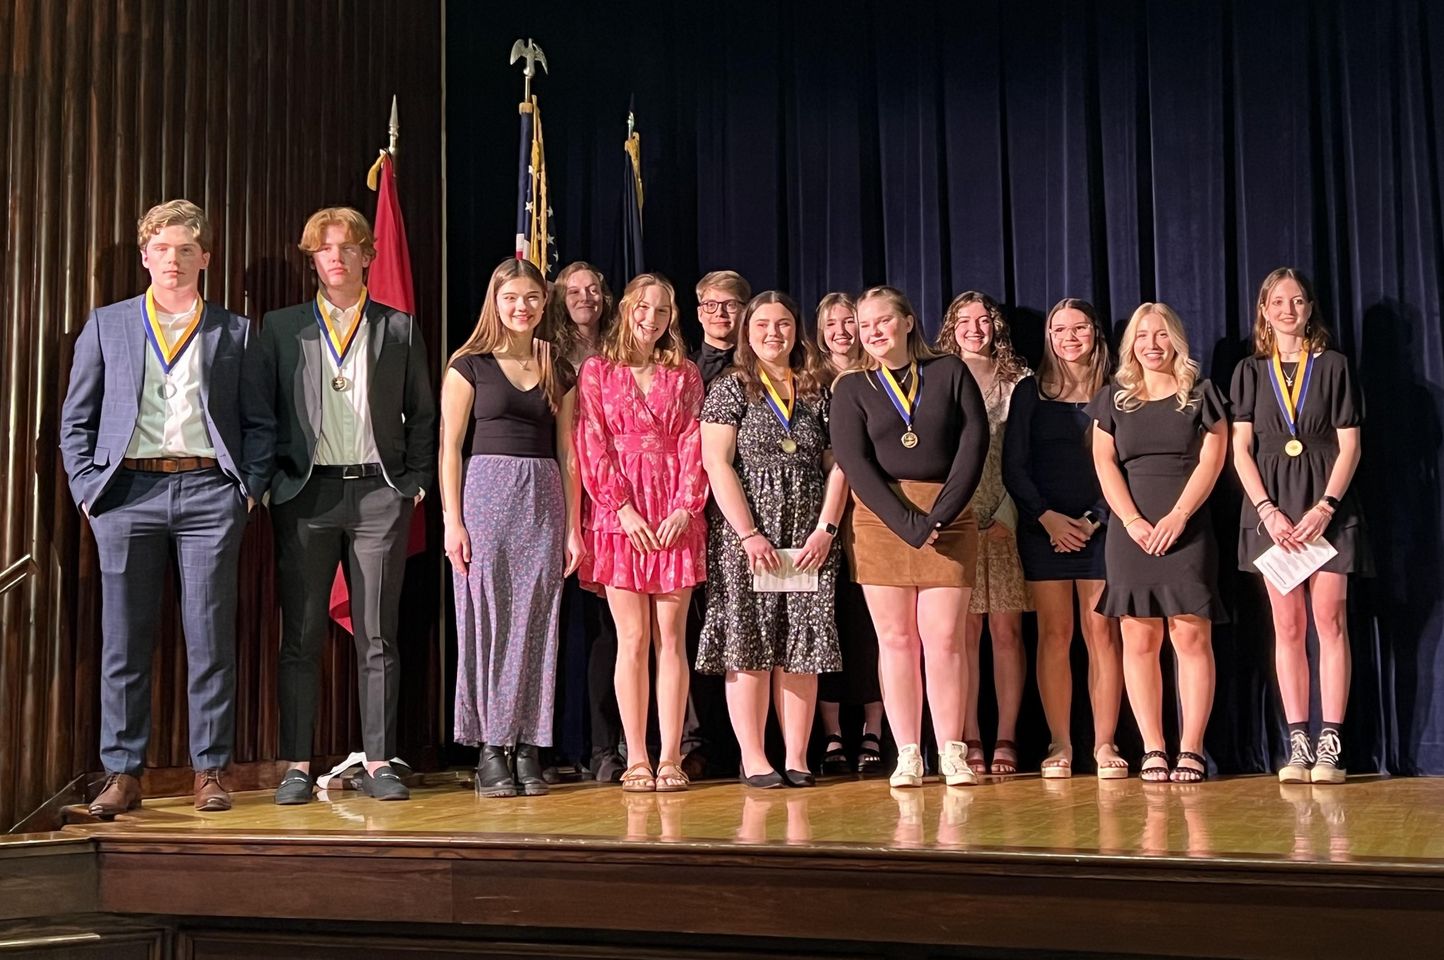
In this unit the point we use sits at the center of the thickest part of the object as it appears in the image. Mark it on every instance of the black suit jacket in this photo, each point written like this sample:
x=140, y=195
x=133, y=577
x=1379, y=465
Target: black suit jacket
x=290, y=369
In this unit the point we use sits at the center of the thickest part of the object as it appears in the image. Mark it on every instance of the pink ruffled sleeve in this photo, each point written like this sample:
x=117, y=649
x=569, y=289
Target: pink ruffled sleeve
x=692, y=478
x=601, y=477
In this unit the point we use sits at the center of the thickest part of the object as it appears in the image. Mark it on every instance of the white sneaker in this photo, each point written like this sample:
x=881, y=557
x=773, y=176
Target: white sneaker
x=953, y=765
x=909, y=772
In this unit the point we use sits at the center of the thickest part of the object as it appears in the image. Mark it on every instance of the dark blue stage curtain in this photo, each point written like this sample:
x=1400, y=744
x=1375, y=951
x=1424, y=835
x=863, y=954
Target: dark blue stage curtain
x=1118, y=151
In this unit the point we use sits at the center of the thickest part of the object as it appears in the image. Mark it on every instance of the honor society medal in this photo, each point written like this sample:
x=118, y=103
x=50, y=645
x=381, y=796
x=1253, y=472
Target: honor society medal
x=1294, y=447
x=909, y=439
x=788, y=445
x=339, y=383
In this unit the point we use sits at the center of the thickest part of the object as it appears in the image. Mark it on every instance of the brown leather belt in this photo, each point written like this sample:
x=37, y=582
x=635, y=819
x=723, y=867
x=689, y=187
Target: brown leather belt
x=169, y=464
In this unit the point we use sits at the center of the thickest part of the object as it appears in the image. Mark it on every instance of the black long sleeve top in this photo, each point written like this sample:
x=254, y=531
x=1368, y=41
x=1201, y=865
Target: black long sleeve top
x=951, y=422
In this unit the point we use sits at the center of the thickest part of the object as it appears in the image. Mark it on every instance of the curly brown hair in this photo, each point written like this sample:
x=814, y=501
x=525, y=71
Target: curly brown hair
x=1011, y=367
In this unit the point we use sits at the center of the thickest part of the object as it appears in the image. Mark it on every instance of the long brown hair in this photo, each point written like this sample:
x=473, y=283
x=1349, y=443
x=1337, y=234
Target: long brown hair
x=801, y=360
x=490, y=334
x=557, y=325
x=1051, y=367
x=620, y=346
x=1315, y=332
x=824, y=307
x=1010, y=366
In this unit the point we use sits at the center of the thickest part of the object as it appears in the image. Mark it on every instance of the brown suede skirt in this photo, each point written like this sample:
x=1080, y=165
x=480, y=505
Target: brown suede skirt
x=880, y=557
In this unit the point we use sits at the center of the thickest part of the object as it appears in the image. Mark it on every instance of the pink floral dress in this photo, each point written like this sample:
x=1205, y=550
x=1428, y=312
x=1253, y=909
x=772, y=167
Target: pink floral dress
x=646, y=451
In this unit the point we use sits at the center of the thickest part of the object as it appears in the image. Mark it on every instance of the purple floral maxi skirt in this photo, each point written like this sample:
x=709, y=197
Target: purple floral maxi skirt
x=508, y=604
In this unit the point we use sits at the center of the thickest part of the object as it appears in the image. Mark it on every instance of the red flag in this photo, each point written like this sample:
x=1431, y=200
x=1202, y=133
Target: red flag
x=390, y=283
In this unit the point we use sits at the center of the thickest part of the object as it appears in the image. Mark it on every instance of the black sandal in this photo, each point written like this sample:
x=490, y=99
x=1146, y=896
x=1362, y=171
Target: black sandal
x=869, y=755
x=1153, y=774
x=1182, y=774
x=834, y=759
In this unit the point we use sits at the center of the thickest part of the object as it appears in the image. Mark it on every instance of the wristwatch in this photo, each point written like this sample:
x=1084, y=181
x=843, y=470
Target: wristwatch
x=828, y=528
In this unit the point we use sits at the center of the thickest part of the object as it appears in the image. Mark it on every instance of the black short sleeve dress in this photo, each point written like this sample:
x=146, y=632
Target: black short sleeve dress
x=1158, y=447
x=1296, y=483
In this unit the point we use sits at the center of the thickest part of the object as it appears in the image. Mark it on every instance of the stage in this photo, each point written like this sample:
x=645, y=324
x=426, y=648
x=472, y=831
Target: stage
x=1242, y=867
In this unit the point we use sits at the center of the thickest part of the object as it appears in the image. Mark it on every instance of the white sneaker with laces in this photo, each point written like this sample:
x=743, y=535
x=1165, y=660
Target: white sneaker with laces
x=909, y=772
x=953, y=765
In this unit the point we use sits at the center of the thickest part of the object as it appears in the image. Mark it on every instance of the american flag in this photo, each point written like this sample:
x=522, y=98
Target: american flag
x=534, y=239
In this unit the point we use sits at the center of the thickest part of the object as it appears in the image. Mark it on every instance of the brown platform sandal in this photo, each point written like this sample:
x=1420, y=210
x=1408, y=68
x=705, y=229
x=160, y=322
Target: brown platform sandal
x=1007, y=764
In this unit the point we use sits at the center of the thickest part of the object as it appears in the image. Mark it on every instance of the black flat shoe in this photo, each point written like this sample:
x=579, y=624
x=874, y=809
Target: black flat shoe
x=770, y=780
x=295, y=788
x=530, y=777
x=800, y=778
x=493, y=773
x=384, y=784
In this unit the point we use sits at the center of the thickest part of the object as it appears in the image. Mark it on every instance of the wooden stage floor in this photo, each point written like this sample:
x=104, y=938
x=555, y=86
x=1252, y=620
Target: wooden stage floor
x=1238, y=867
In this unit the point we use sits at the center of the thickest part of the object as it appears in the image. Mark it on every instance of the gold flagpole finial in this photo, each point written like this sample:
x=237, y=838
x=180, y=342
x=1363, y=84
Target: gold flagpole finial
x=532, y=52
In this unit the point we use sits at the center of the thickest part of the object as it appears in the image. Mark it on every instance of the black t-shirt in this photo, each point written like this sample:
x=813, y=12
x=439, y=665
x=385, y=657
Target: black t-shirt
x=951, y=422
x=506, y=421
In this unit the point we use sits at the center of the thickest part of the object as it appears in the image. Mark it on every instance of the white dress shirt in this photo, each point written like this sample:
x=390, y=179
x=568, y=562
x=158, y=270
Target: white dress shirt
x=346, y=436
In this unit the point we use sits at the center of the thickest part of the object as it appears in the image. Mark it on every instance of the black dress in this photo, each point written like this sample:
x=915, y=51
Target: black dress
x=1158, y=448
x=1296, y=483
x=1048, y=465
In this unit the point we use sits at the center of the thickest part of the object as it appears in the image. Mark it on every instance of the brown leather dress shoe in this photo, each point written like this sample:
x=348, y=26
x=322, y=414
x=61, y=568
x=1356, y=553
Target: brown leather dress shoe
x=210, y=794
x=120, y=793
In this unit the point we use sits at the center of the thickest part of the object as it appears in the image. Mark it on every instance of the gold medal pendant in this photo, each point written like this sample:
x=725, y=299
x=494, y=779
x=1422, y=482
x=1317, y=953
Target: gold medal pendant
x=1294, y=447
x=339, y=383
x=166, y=390
x=909, y=439
x=788, y=445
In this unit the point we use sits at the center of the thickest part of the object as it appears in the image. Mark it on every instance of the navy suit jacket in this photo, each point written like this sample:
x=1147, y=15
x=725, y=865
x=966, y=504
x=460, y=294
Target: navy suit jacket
x=102, y=403
x=290, y=371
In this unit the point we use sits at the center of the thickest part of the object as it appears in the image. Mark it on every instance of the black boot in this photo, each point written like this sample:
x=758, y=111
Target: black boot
x=493, y=773
x=529, y=776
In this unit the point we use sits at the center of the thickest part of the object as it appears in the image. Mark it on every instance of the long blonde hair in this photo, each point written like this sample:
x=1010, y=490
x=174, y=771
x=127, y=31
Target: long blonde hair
x=620, y=346
x=1050, y=369
x=1131, y=395
x=490, y=334
x=824, y=307
x=917, y=343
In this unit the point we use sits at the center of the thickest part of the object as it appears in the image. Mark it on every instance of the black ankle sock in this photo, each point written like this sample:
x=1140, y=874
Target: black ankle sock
x=1302, y=727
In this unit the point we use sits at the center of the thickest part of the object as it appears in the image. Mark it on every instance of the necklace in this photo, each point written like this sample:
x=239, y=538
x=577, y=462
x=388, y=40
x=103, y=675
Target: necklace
x=524, y=364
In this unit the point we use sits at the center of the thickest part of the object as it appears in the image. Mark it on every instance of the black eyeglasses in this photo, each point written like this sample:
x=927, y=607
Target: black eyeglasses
x=710, y=307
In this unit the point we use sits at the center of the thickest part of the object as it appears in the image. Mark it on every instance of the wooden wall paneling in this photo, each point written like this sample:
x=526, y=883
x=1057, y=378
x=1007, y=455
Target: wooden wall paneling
x=262, y=112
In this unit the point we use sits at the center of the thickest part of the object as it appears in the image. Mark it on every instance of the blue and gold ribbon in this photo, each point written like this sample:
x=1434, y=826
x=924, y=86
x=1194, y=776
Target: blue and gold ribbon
x=905, y=403
x=781, y=409
x=169, y=353
x=340, y=345
x=1291, y=401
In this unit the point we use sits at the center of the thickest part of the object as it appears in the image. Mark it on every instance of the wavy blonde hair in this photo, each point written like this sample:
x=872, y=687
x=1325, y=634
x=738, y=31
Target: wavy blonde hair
x=619, y=346
x=489, y=333
x=824, y=306
x=1130, y=395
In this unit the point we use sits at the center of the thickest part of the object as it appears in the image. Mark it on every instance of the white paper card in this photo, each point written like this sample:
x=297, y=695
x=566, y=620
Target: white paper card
x=787, y=579
x=1287, y=570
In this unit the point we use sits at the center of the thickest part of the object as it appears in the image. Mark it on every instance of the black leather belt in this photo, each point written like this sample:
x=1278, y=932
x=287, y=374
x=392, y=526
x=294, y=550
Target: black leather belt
x=352, y=471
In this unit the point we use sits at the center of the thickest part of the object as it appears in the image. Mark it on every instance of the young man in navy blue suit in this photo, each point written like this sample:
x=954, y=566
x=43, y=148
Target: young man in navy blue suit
x=167, y=453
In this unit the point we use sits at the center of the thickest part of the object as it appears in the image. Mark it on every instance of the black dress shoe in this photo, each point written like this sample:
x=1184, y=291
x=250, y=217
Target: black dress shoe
x=607, y=767
x=295, y=788
x=493, y=773
x=770, y=780
x=530, y=778
x=384, y=784
x=800, y=778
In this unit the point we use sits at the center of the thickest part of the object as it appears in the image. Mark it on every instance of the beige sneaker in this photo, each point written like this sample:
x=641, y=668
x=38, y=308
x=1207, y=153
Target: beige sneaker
x=1301, y=758
x=909, y=772
x=953, y=765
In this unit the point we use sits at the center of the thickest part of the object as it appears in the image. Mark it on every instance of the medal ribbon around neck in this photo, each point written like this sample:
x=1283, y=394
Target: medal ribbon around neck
x=169, y=353
x=339, y=347
x=781, y=409
x=905, y=403
x=1291, y=401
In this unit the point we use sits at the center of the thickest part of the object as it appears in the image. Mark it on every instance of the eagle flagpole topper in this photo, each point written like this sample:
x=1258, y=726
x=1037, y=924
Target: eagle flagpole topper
x=534, y=239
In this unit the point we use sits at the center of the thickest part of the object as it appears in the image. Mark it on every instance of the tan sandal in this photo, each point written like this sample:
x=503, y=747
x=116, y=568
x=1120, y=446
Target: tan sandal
x=1115, y=768
x=671, y=778
x=639, y=778
x=1058, y=764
